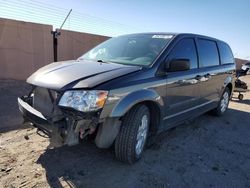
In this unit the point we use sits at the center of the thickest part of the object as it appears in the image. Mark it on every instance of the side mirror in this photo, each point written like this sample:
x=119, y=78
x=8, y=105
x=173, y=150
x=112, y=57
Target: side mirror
x=178, y=65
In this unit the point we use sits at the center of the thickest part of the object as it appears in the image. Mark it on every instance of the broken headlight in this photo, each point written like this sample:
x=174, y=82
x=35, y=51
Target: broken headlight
x=83, y=100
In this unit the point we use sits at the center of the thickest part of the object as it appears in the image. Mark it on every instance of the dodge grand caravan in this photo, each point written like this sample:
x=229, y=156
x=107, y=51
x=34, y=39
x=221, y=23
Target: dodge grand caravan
x=129, y=88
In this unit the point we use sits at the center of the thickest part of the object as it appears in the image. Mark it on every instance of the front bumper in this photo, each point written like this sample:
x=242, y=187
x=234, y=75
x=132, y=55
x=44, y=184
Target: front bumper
x=35, y=117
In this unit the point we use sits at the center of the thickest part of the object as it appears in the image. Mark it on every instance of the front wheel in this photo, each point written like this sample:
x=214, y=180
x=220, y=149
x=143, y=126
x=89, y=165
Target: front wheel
x=223, y=104
x=132, y=137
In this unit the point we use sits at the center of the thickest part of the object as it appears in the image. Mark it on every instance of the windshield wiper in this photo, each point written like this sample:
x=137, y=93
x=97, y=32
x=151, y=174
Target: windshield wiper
x=101, y=61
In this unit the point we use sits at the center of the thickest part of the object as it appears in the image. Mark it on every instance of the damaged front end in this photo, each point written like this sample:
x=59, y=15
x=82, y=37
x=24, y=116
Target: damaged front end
x=66, y=116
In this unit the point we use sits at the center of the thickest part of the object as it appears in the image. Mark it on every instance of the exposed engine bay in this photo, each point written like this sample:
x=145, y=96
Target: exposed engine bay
x=63, y=126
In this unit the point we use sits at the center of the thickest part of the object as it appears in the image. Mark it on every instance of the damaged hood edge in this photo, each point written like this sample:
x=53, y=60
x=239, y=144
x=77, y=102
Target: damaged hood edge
x=78, y=74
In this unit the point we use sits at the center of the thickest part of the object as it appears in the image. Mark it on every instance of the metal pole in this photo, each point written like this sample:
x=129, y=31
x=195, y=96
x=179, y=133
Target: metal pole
x=55, y=34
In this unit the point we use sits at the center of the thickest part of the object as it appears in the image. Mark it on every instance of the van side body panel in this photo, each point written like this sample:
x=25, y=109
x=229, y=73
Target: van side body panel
x=179, y=95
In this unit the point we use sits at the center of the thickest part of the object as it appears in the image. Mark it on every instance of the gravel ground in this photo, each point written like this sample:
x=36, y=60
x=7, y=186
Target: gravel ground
x=207, y=152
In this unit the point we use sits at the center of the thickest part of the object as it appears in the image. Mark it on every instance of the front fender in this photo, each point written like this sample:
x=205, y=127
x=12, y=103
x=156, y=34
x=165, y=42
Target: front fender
x=127, y=102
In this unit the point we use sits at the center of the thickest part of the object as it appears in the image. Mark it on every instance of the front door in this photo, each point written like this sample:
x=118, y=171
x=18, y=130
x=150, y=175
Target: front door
x=182, y=90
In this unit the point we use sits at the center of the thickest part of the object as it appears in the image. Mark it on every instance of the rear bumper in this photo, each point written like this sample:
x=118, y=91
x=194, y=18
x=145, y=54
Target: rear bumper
x=32, y=115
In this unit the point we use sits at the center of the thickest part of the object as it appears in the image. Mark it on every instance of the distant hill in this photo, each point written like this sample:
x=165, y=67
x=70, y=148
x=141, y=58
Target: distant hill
x=239, y=62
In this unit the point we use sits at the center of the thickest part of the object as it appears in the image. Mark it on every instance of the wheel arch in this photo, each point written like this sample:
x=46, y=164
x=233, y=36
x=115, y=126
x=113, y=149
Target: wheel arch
x=228, y=83
x=155, y=114
x=112, y=124
x=146, y=96
x=230, y=87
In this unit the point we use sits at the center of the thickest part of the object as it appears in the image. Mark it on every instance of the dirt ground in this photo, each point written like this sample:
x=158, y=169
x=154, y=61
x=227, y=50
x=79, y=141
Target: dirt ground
x=207, y=152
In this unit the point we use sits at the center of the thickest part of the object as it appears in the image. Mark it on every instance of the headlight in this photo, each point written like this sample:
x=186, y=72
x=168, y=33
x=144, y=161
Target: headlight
x=84, y=101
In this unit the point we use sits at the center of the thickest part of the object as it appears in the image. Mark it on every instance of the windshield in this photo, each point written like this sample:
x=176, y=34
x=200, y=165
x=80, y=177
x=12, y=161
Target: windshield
x=138, y=49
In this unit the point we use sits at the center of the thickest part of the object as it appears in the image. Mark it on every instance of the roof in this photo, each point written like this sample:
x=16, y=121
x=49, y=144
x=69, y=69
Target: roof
x=176, y=34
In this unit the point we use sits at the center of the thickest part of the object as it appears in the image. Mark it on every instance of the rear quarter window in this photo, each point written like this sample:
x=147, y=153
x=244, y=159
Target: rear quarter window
x=226, y=55
x=208, y=53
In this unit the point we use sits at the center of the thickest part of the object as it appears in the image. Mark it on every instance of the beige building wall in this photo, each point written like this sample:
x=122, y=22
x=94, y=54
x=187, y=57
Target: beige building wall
x=72, y=45
x=24, y=47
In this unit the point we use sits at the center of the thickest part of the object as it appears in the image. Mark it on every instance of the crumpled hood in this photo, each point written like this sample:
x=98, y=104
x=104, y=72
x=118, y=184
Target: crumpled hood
x=78, y=74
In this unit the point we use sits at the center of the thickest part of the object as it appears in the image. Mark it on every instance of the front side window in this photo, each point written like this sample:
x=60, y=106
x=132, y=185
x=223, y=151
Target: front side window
x=185, y=49
x=208, y=53
x=137, y=49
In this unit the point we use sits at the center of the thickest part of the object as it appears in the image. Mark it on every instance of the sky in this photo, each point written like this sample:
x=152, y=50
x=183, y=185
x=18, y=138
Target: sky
x=227, y=20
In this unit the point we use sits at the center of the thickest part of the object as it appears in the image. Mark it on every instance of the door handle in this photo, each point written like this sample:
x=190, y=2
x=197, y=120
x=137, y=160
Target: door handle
x=207, y=75
x=198, y=77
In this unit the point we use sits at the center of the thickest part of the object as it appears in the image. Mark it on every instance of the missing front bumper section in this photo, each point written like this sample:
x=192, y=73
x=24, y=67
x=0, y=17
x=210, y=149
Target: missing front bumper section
x=35, y=117
x=65, y=131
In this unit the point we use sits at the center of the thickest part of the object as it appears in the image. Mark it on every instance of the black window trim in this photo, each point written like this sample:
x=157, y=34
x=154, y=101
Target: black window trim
x=218, y=51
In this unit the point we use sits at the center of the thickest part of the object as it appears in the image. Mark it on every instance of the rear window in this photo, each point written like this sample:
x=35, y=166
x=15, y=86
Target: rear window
x=226, y=55
x=208, y=53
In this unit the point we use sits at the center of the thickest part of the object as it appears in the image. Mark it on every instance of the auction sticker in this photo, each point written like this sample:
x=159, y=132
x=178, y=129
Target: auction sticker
x=162, y=36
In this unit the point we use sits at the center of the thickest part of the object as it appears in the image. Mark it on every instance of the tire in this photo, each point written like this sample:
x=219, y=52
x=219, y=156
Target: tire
x=240, y=97
x=131, y=140
x=223, y=104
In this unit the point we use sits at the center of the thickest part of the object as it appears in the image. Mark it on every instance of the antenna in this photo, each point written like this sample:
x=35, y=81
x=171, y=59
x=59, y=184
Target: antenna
x=66, y=18
x=57, y=33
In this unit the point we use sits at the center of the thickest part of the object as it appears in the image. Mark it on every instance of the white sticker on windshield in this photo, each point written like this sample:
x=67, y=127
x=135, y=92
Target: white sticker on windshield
x=162, y=36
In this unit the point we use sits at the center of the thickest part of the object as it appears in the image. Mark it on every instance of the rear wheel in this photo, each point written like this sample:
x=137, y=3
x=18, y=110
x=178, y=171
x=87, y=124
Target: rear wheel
x=131, y=140
x=223, y=104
